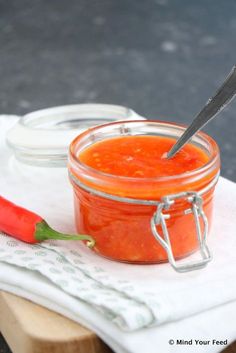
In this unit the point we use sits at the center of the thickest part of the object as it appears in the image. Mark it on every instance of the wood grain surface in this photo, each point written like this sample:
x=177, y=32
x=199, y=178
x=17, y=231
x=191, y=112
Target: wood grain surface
x=30, y=328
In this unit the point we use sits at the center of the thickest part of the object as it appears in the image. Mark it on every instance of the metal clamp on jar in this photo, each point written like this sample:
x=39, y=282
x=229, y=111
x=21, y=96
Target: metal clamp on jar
x=145, y=220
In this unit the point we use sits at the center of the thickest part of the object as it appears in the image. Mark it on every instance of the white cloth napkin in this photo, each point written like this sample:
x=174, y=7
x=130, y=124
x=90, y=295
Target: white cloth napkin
x=143, y=303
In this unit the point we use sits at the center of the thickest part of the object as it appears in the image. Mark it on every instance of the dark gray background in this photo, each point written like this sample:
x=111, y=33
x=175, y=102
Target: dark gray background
x=162, y=58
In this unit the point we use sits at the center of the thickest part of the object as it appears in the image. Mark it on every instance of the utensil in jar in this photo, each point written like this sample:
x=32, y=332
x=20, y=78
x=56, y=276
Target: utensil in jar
x=217, y=103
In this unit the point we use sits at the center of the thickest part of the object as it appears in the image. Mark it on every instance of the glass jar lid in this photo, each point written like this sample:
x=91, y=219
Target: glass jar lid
x=42, y=137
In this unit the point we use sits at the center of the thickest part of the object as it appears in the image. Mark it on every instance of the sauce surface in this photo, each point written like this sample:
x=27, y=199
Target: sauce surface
x=141, y=157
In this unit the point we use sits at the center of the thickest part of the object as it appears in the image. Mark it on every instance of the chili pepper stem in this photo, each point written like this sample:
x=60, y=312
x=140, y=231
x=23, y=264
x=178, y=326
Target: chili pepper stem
x=45, y=232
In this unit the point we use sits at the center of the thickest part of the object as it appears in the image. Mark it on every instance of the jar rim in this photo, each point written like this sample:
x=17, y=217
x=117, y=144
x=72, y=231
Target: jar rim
x=214, y=154
x=89, y=111
x=42, y=137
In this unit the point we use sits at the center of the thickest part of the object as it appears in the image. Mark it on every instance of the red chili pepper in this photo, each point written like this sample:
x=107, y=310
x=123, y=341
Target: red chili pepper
x=27, y=226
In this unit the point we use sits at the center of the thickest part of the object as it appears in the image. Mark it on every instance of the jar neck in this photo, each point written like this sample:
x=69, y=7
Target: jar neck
x=142, y=188
x=77, y=183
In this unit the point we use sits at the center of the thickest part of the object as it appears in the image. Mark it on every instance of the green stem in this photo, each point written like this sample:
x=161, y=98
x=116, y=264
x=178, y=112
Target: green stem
x=45, y=232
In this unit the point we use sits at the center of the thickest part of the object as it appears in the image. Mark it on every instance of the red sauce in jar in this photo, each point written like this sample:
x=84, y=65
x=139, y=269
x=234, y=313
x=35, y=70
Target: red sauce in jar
x=135, y=166
x=141, y=157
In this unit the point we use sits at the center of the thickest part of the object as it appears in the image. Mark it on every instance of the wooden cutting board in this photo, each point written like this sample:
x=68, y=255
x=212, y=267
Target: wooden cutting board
x=30, y=328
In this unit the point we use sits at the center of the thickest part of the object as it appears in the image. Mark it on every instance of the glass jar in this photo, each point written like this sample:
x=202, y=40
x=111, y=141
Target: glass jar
x=42, y=137
x=145, y=220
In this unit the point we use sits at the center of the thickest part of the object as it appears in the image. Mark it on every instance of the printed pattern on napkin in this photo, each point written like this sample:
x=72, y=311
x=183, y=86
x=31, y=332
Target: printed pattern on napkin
x=132, y=297
x=128, y=313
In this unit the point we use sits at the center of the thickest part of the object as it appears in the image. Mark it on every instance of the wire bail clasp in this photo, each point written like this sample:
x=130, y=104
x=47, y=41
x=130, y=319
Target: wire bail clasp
x=159, y=218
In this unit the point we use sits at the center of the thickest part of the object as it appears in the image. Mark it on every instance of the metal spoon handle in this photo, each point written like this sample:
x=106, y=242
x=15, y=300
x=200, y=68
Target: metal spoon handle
x=214, y=105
